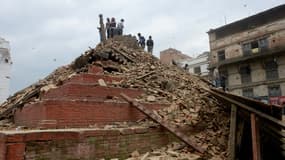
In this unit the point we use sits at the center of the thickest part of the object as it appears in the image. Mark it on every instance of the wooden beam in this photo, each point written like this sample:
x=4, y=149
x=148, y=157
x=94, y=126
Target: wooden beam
x=232, y=136
x=240, y=133
x=248, y=108
x=255, y=137
x=102, y=30
x=164, y=124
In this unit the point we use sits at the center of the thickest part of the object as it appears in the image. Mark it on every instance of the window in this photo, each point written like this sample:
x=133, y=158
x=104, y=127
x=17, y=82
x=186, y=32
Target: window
x=255, y=46
x=247, y=92
x=263, y=44
x=274, y=91
x=245, y=74
x=271, y=69
x=246, y=49
x=224, y=77
x=197, y=70
x=221, y=55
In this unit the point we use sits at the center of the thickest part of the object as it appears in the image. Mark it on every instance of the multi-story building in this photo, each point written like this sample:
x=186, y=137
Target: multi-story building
x=169, y=55
x=250, y=53
x=198, y=65
x=5, y=69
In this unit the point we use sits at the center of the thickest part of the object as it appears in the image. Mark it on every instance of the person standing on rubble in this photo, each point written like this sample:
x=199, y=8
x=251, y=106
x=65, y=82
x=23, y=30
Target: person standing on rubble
x=141, y=41
x=120, y=27
x=108, y=27
x=216, y=77
x=113, y=27
x=149, y=44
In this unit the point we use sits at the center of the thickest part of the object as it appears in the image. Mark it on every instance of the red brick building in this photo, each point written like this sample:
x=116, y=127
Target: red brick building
x=166, y=56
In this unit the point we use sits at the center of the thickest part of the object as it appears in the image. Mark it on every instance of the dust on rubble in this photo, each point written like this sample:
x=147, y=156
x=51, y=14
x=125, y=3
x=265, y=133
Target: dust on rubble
x=191, y=107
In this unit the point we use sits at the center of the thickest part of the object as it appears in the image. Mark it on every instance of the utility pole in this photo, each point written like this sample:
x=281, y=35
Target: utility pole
x=101, y=29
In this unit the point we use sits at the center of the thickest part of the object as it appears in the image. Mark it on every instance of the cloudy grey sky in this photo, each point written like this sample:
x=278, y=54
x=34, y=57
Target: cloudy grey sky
x=46, y=34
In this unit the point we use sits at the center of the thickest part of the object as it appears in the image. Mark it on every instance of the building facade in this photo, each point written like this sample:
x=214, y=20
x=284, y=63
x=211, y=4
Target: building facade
x=250, y=53
x=169, y=55
x=5, y=69
x=198, y=65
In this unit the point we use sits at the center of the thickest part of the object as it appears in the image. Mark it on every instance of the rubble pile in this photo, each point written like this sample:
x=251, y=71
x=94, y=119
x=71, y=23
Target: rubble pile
x=192, y=108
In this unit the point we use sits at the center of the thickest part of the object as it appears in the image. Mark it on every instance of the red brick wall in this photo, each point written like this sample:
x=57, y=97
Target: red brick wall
x=168, y=55
x=92, y=78
x=75, y=91
x=81, y=145
x=78, y=113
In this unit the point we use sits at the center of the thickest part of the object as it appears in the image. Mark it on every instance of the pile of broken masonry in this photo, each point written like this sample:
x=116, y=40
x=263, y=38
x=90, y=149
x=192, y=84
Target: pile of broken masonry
x=192, y=108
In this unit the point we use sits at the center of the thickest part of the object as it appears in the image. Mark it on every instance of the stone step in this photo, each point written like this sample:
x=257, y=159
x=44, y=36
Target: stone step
x=78, y=113
x=80, y=143
x=89, y=78
x=82, y=90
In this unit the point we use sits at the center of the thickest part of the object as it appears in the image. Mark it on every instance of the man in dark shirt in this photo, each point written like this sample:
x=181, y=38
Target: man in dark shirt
x=141, y=41
x=149, y=44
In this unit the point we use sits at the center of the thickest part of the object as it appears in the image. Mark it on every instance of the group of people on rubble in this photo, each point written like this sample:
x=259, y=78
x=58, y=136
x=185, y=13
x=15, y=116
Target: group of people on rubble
x=149, y=43
x=113, y=28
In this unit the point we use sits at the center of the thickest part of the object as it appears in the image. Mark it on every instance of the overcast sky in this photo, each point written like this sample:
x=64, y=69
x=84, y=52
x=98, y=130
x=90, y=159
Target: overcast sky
x=46, y=34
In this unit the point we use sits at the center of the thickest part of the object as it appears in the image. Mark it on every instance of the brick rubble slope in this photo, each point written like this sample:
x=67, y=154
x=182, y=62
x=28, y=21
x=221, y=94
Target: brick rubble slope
x=192, y=108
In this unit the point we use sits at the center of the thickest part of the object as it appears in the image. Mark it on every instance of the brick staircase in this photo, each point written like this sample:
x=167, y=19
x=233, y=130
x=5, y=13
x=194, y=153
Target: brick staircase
x=80, y=103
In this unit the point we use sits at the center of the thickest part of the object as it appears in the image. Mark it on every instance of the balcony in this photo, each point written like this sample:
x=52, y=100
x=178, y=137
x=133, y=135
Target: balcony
x=254, y=54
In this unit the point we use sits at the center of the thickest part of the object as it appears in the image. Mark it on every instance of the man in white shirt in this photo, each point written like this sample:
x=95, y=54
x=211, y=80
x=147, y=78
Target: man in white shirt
x=216, y=77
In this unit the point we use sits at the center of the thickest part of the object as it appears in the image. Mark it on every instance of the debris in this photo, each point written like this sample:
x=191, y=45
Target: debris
x=150, y=98
x=47, y=88
x=101, y=82
x=191, y=106
x=135, y=154
x=145, y=156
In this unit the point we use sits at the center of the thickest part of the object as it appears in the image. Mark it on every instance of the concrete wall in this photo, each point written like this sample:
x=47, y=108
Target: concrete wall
x=261, y=90
x=281, y=66
x=200, y=61
x=232, y=44
x=5, y=69
x=257, y=71
x=258, y=77
x=233, y=75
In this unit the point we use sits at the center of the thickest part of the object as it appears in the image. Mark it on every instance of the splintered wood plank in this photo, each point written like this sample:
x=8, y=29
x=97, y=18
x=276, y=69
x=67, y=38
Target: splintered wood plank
x=232, y=137
x=164, y=124
x=255, y=137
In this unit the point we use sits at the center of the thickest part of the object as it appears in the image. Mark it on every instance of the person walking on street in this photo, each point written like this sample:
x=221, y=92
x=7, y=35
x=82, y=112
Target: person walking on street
x=141, y=41
x=108, y=27
x=113, y=27
x=120, y=27
x=149, y=44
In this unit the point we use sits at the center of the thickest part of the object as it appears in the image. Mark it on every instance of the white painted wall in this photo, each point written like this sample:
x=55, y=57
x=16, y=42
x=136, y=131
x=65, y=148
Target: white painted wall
x=5, y=69
x=201, y=61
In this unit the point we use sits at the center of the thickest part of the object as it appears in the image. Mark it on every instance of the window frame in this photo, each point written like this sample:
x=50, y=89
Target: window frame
x=221, y=53
x=279, y=92
x=248, y=92
x=245, y=74
x=198, y=67
x=271, y=69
